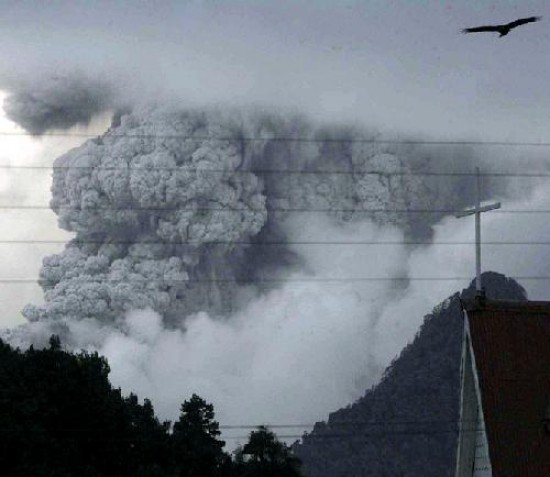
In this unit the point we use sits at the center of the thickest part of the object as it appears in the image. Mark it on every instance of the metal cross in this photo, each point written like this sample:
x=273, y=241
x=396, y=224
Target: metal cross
x=477, y=210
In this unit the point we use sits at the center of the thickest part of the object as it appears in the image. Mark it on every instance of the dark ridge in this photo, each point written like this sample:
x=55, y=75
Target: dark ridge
x=407, y=424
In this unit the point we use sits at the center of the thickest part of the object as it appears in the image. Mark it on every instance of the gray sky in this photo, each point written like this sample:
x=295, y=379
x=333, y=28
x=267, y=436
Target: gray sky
x=397, y=65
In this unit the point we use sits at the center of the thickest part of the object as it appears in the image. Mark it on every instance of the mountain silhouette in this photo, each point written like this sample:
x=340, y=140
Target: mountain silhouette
x=406, y=424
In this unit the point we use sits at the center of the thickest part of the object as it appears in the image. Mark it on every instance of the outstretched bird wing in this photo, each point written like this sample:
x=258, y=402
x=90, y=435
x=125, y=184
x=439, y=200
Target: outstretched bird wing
x=522, y=21
x=502, y=28
x=482, y=28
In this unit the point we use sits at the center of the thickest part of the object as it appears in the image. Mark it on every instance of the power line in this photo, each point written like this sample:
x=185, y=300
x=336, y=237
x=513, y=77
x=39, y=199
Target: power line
x=295, y=139
x=267, y=209
x=356, y=436
x=312, y=437
x=387, y=432
x=361, y=423
x=257, y=244
x=383, y=433
x=105, y=279
x=327, y=433
x=282, y=171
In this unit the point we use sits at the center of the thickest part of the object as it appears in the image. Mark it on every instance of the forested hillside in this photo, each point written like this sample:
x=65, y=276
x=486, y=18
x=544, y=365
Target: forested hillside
x=407, y=424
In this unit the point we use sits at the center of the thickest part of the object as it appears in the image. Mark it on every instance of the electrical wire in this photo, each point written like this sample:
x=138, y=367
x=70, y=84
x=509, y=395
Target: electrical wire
x=273, y=280
x=186, y=168
x=274, y=209
x=78, y=241
x=326, y=435
x=326, y=140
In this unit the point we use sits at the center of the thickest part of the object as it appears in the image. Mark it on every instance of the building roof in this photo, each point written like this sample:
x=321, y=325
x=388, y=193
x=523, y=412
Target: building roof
x=511, y=344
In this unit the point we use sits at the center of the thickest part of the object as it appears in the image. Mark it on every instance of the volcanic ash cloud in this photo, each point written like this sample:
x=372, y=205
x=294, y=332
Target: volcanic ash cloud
x=224, y=248
x=152, y=208
x=165, y=206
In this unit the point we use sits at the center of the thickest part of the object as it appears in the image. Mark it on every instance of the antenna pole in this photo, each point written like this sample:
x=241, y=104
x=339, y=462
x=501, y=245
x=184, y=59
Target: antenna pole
x=478, y=230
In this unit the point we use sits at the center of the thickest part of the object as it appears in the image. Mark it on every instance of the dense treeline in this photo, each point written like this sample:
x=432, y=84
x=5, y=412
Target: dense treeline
x=60, y=417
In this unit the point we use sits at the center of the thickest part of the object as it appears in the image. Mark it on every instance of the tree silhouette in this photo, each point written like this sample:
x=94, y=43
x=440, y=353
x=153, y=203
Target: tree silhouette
x=265, y=456
x=198, y=451
x=60, y=416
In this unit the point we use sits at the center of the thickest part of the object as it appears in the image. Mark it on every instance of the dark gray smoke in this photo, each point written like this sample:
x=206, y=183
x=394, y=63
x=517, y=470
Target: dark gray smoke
x=46, y=103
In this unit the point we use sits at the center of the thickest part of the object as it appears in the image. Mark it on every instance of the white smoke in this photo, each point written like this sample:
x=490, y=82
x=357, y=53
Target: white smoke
x=515, y=244
x=293, y=341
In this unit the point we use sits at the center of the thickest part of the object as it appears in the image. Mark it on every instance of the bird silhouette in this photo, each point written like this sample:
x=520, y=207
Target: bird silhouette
x=502, y=29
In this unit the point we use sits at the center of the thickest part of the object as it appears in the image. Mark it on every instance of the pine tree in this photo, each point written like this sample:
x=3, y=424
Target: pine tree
x=197, y=449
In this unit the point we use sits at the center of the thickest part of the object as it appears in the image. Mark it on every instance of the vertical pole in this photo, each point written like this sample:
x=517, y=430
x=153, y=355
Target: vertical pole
x=477, y=211
x=478, y=231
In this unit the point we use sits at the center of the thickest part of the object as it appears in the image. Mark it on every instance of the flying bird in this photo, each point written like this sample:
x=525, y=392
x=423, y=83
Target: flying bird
x=502, y=29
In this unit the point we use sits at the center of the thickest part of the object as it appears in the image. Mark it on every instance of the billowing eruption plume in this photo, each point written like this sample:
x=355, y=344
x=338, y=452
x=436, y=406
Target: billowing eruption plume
x=187, y=211
x=223, y=252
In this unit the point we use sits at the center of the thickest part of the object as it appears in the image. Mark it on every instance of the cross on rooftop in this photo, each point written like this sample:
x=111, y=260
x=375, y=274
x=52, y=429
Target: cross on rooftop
x=477, y=210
